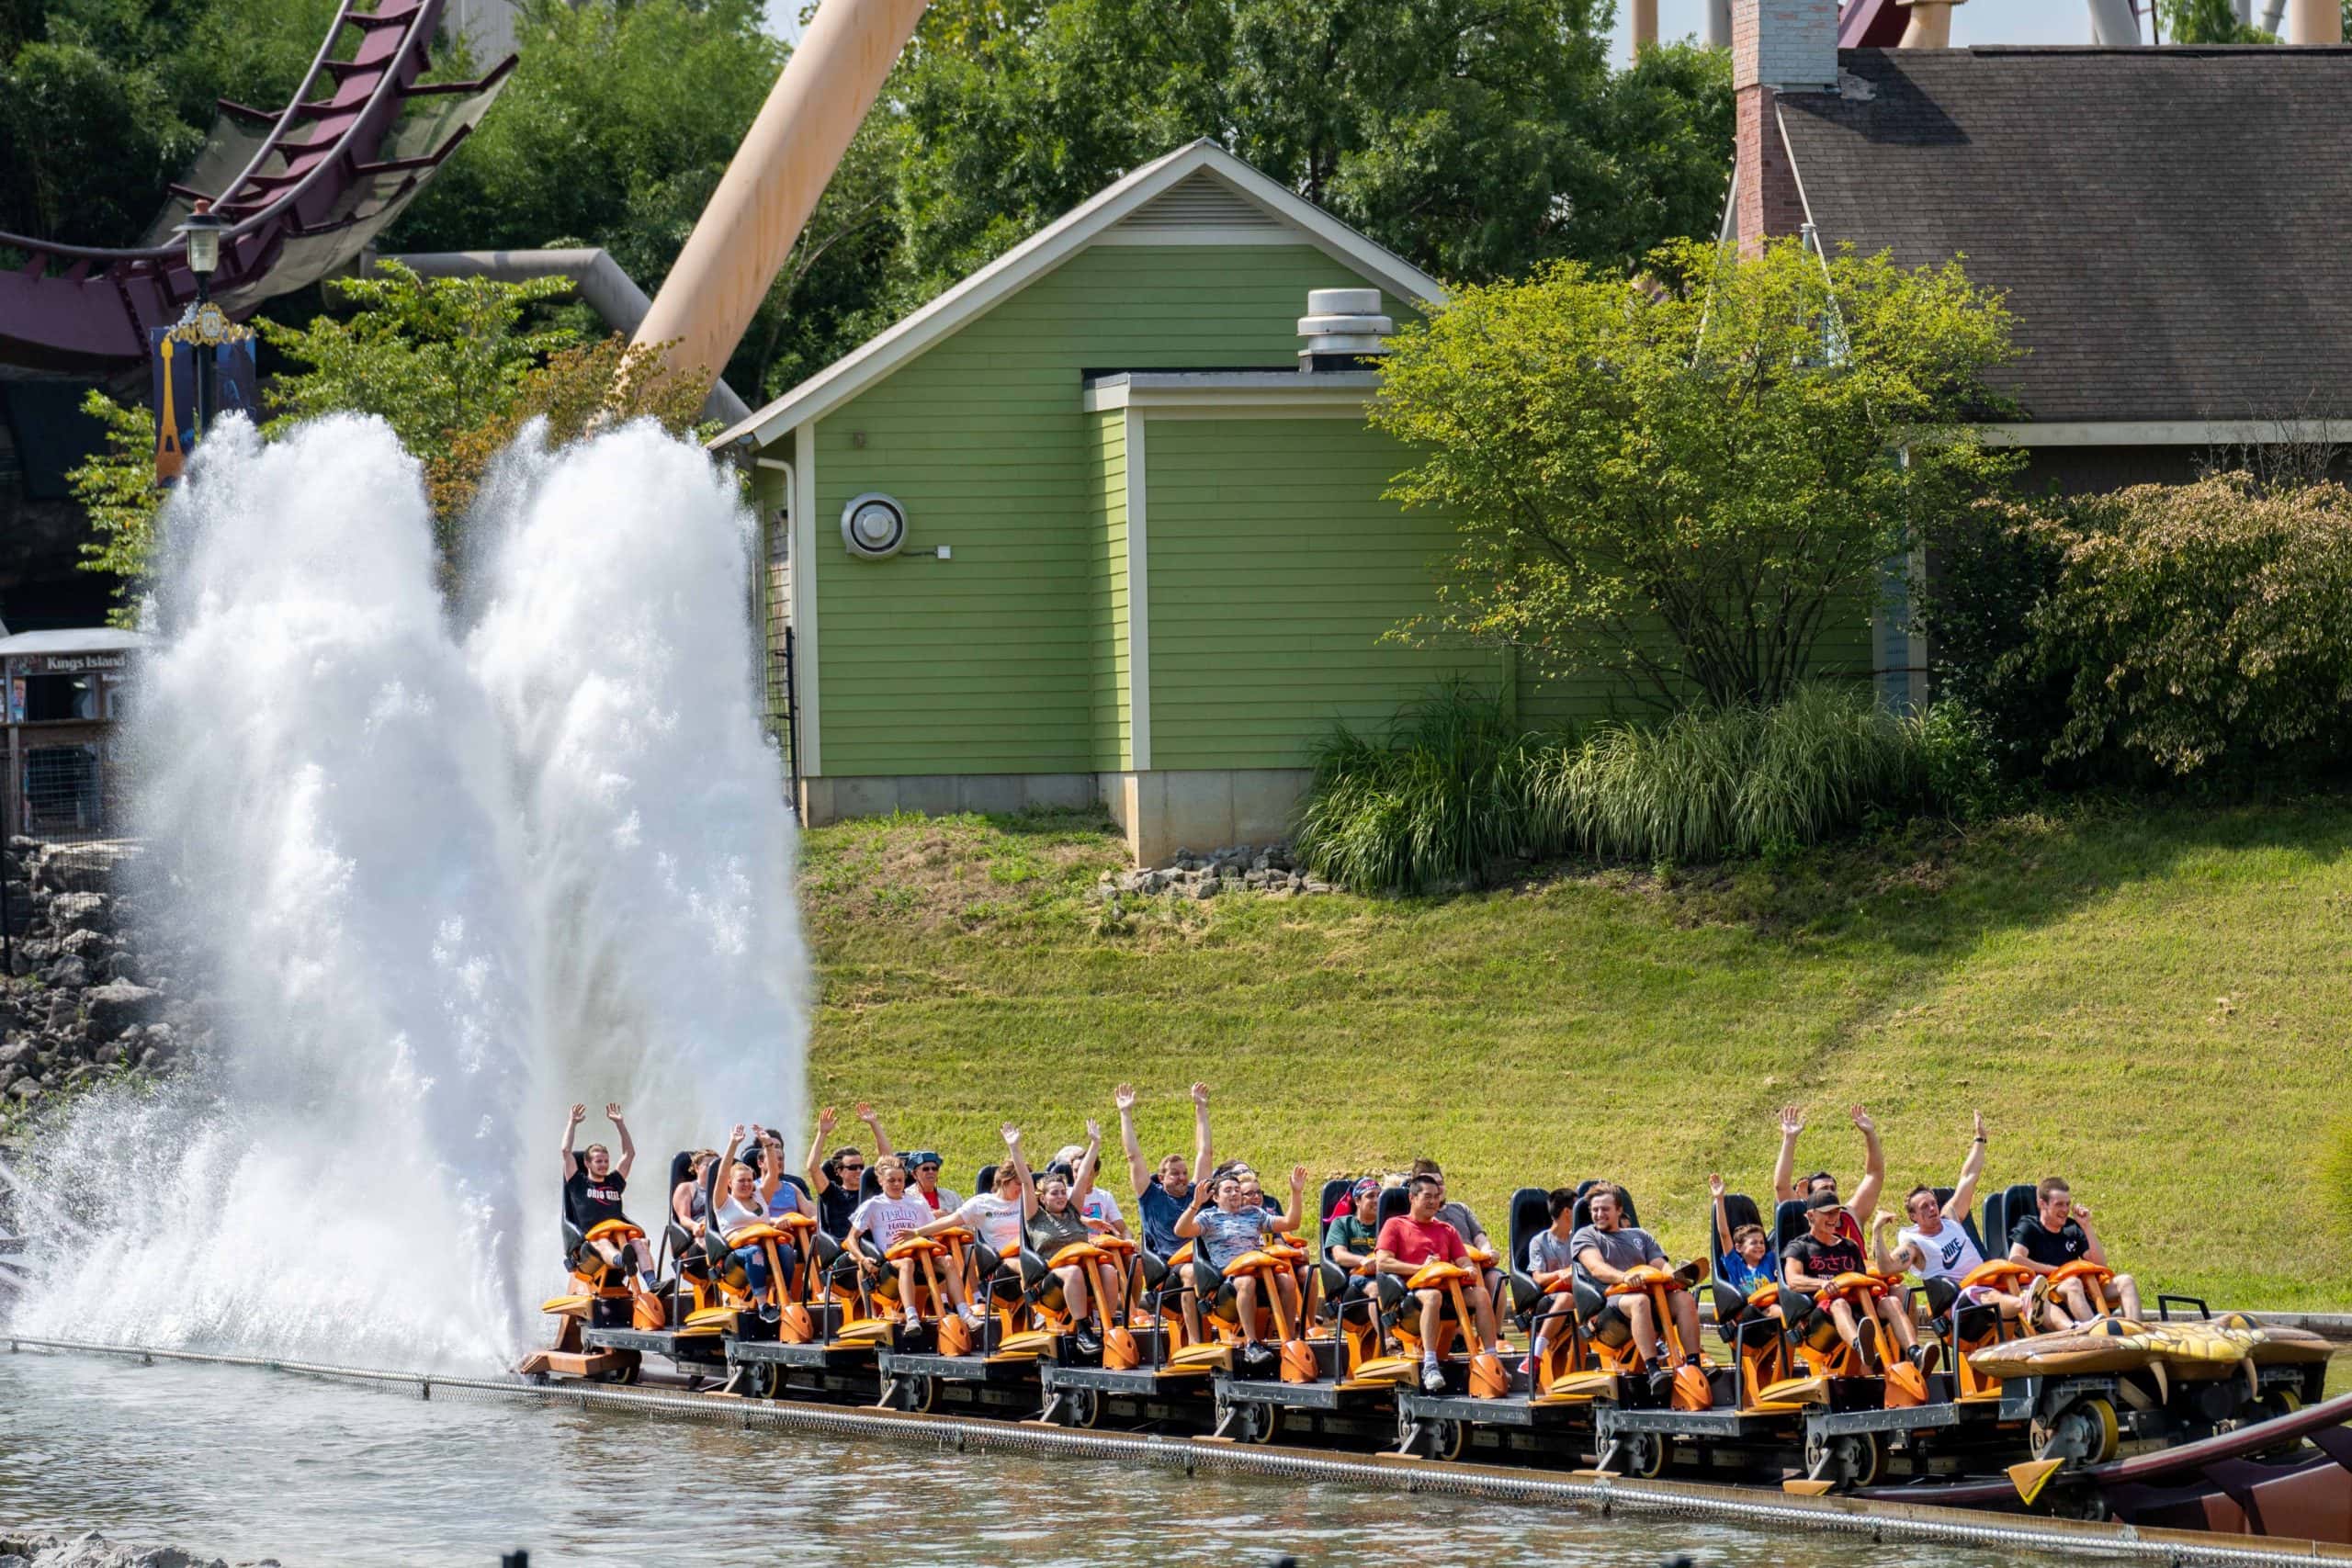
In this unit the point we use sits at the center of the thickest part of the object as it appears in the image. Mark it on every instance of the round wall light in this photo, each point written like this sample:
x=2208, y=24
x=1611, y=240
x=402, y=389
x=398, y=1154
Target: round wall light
x=873, y=525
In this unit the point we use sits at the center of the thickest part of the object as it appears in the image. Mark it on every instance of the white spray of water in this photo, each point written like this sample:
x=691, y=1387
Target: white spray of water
x=451, y=880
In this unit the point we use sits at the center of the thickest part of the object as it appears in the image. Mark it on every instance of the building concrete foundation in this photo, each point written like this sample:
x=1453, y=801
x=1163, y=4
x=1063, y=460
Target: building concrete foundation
x=1159, y=811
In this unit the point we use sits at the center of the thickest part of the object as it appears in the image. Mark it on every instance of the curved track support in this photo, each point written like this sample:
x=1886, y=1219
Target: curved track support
x=304, y=190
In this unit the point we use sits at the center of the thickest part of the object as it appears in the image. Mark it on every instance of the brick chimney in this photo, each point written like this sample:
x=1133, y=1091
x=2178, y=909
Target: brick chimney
x=1777, y=46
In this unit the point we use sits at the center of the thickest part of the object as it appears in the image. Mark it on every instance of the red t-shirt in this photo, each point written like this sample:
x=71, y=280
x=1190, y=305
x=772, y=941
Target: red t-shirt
x=1408, y=1240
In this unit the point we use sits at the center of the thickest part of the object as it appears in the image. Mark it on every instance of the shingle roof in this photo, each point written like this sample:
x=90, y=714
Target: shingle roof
x=2168, y=223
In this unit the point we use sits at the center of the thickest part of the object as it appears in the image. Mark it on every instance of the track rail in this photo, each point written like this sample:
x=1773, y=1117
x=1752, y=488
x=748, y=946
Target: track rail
x=1690, y=1500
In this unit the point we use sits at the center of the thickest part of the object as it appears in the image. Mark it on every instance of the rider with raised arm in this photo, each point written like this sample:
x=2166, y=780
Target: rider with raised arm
x=1163, y=1195
x=741, y=1203
x=1865, y=1198
x=592, y=1185
x=1814, y=1260
x=1054, y=1217
x=1745, y=1262
x=995, y=1219
x=1935, y=1243
x=1235, y=1226
x=838, y=1181
x=2059, y=1233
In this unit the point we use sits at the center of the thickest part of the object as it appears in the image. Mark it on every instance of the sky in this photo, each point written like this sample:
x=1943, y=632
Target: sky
x=1975, y=21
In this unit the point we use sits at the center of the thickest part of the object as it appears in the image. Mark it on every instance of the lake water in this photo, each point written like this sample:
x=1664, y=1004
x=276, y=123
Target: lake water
x=250, y=1464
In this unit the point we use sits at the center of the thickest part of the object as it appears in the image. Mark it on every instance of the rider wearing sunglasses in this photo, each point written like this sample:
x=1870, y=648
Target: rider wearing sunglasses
x=836, y=1180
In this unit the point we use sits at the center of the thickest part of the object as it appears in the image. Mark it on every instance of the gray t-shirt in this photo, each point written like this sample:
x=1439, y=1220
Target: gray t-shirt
x=1628, y=1246
x=1547, y=1253
x=1225, y=1238
x=1465, y=1223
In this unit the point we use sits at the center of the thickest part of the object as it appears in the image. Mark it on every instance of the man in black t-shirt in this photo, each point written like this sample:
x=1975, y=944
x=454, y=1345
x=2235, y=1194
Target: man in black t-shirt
x=1823, y=1252
x=592, y=1185
x=2058, y=1233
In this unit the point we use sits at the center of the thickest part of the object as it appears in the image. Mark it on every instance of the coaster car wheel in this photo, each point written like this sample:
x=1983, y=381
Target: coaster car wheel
x=630, y=1369
x=763, y=1378
x=918, y=1392
x=1248, y=1420
x=1645, y=1455
x=1851, y=1459
x=2085, y=1432
x=1081, y=1406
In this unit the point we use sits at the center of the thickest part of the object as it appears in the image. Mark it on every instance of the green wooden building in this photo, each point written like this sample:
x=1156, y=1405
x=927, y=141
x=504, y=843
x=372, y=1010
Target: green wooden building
x=1092, y=527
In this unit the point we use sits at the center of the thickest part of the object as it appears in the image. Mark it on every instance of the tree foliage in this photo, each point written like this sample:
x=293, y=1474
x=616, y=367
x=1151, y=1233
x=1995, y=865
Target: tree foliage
x=2198, y=623
x=116, y=485
x=1476, y=136
x=1684, y=479
x=2208, y=22
x=578, y=390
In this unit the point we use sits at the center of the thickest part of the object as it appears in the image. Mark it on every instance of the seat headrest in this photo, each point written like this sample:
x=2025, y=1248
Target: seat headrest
x=1788, y=1222
x=1393, y=1203
x=1531, y=1211
x=1739, y=1210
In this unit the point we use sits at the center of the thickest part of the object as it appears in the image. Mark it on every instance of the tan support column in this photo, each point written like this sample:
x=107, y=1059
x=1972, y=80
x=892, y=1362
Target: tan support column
x=1930, y=22
x=1645, y=18
x=2315, y=21
x=741, y=240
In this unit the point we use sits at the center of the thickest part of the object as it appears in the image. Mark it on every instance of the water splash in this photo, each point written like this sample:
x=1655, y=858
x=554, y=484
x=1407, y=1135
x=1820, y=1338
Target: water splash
x=450, y=877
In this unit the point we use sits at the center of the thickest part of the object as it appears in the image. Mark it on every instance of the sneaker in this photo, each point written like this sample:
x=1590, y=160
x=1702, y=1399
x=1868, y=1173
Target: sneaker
x=975, y=1317
x=771, y=1314
x=1432, y=1378
x=1528, y=1366
x=1925, y=1355
x=1871, y=1362
x=1085, y=1342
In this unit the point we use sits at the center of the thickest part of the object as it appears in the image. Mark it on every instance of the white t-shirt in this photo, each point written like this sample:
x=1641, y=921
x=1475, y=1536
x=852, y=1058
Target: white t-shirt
x=888, y=1219
x=996, y=1221
x=1101, y=1206
x=1947, y=1255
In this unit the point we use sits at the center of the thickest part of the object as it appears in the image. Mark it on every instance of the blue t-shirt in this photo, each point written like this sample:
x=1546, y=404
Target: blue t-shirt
x=1733, y=1270
x=1160, y=1210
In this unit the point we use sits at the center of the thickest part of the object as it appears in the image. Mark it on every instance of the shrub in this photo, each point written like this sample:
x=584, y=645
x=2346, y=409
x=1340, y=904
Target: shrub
x=1451, y=787
x=1993, y=566
x=2198, y=623
x=1435, y=799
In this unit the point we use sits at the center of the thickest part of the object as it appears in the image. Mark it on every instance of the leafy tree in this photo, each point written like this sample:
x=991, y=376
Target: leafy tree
x=90, y=144
x=1685, y=479
x=1476, y=136
x=578, y=391
x=116, y=485
x=2202, y=623
x=428, y=355
x=2208, y=22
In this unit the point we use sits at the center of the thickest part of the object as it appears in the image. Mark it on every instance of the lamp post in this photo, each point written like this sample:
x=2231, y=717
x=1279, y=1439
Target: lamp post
x=202, y=229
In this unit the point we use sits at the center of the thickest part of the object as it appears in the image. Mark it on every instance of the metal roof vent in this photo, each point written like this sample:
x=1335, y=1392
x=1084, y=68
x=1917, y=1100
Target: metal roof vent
x=1344, y=330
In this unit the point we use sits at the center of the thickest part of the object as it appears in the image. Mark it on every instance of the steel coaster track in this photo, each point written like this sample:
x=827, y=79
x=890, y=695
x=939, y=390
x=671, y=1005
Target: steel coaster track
x=1608, y=1496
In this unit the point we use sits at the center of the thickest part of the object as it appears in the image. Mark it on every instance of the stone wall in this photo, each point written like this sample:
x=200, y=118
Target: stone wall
x=94, y=990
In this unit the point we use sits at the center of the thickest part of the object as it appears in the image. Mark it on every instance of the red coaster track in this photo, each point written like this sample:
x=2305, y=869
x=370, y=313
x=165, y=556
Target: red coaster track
x=304, y=190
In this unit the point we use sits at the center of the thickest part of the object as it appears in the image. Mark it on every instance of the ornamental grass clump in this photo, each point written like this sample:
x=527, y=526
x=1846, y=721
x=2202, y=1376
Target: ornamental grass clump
x=1452, y=789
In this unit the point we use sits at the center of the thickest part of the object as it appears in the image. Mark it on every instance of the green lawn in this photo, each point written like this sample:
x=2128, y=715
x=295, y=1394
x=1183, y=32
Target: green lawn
x=2148, y=1001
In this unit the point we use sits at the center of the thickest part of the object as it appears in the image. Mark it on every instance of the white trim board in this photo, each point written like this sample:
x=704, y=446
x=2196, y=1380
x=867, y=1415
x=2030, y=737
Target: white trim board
x=1056, y=243
x=2165, y=432
x=1139, y=604
x=1224, y=393
x=804, y=600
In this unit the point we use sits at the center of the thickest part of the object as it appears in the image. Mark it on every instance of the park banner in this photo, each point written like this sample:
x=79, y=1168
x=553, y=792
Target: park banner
x=233, y=383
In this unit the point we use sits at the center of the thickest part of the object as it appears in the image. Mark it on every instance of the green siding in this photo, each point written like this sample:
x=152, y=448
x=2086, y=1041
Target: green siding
x=988, y=663
x=1276, y=571
x=1113, y=706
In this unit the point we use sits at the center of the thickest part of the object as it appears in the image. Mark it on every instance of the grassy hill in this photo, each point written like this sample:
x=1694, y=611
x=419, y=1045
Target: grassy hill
x=2149, y=1001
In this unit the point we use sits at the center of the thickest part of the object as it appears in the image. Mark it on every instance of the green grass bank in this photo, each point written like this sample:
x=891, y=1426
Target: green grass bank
x=2148, y=999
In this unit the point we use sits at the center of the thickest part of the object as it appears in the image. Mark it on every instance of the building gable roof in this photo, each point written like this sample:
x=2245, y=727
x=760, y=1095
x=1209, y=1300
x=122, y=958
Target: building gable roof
x=1199, y=194
x=2166, y=222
